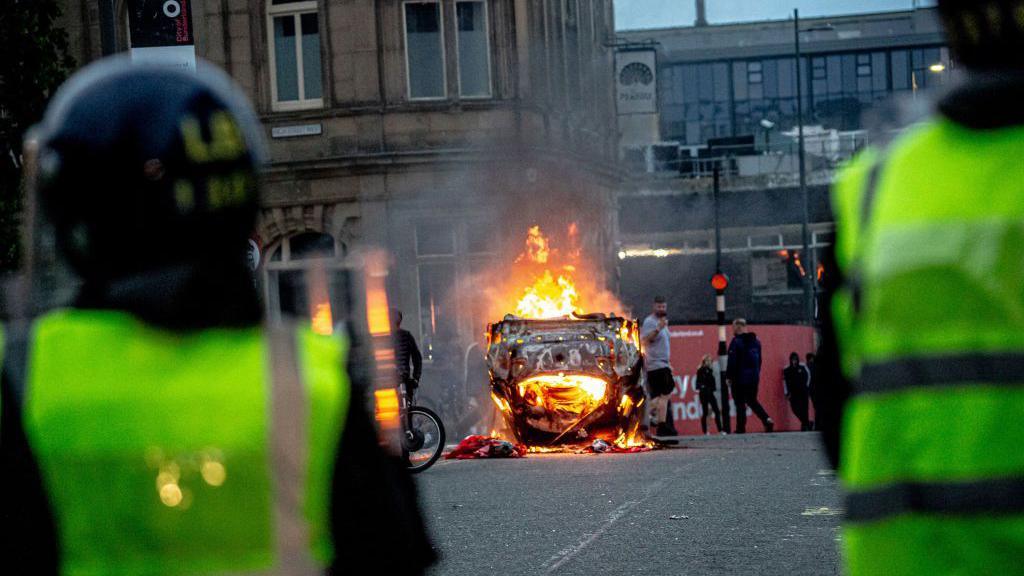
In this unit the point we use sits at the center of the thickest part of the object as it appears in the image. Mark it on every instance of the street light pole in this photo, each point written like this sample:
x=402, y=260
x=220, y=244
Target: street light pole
x=807, y=280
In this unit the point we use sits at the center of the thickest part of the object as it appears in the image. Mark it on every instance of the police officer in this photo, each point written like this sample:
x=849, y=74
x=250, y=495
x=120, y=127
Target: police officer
x=154, y=426
x=929, y=322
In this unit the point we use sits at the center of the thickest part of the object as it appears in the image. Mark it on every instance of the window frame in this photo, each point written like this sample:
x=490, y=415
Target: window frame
x=444, y=53
x=295, y=10
x=458, y=59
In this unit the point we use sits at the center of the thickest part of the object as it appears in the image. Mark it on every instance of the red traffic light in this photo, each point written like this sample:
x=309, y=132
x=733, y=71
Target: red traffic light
x=720, y=282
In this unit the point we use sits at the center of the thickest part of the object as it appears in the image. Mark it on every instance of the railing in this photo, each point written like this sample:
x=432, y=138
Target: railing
x=825, y=150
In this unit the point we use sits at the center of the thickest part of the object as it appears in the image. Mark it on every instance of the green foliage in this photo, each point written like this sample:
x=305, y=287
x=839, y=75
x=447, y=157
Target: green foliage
x=33, y=62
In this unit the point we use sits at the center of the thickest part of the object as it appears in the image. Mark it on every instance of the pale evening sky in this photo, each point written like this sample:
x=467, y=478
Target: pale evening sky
x=634, y=14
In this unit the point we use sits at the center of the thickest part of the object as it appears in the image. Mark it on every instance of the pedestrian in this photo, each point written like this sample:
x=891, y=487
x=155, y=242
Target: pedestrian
x=706, y=391
x=795, y=380
x=923, y=346
x=815, y=387
x=407, y=355
x=744, y=375
x=660, y=384
x=155, y=426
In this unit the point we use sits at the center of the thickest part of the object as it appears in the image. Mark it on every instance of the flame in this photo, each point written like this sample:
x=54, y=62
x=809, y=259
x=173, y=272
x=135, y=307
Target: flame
x=550, y=295
x=820, y=272
x=537, y=246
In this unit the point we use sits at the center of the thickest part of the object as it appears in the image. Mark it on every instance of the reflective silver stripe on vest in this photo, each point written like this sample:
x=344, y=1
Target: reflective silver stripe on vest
x=997, y=369
x=1000, y=497
x=289, y=455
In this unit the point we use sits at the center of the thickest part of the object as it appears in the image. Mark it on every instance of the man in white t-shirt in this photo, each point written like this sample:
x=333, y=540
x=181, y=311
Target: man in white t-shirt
x=660, y=384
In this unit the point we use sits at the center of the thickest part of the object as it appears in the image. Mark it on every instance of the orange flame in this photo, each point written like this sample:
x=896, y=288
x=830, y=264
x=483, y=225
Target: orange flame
x=551, y=295
x=537, y=247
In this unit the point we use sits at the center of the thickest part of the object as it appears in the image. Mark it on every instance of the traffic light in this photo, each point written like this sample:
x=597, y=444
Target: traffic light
x=719, y=282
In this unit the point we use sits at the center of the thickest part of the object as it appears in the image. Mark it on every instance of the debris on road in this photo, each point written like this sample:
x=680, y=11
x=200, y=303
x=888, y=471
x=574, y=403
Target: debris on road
x=473, y=447
x=821, y=511
x=679, y=517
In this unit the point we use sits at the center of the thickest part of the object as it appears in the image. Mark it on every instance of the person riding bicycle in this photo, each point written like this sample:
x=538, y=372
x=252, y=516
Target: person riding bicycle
x=406, y=353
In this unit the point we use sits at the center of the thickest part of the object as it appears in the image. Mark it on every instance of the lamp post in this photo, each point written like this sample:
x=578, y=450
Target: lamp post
x=808, y=281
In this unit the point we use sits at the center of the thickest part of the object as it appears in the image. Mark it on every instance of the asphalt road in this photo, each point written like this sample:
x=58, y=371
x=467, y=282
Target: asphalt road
x=755, y=504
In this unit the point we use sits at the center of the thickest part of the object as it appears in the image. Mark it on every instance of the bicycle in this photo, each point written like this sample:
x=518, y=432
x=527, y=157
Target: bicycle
x=423, y=432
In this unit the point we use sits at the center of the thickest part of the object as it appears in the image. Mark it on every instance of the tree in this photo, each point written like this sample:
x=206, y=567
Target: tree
x=34, y=60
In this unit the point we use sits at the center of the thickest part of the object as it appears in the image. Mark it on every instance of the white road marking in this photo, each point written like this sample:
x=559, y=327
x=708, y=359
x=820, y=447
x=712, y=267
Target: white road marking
x=569, y=552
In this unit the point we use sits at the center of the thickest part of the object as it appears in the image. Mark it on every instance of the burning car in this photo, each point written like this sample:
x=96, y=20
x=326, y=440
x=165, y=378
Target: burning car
x=567, y=380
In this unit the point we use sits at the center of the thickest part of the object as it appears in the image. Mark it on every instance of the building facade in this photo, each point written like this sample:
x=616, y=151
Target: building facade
x=728, y=98
x=437, y=129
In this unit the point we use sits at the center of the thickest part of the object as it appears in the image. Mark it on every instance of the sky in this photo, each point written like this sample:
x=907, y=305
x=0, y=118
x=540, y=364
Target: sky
x=634, y=14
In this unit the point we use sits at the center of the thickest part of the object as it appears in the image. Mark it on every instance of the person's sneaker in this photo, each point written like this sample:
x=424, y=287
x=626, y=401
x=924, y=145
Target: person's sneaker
x=769, y=425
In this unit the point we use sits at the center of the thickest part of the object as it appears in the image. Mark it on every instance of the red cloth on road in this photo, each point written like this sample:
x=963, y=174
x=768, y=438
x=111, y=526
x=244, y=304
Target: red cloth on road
x=473, y=447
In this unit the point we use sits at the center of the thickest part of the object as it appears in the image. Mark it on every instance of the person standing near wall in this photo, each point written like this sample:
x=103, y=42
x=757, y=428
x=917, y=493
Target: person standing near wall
x=744, y=376
x=795, y=379
x=706, y=391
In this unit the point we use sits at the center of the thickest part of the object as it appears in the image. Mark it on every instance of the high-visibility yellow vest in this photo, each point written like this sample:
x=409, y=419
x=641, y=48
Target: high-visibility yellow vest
x=930, y=235
x=170, y=453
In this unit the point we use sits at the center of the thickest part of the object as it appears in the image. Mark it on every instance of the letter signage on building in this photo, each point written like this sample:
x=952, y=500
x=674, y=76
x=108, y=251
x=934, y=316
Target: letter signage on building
x=636, y=81
x=161, y=32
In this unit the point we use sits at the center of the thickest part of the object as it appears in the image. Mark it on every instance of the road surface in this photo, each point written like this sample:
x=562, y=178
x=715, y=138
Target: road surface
x=755, y=504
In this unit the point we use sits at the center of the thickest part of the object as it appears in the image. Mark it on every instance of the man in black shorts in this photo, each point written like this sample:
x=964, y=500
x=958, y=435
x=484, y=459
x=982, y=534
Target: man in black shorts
x=660, y=384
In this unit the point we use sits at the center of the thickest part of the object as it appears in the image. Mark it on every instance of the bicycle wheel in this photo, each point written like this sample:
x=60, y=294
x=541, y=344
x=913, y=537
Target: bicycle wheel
x=424, y=438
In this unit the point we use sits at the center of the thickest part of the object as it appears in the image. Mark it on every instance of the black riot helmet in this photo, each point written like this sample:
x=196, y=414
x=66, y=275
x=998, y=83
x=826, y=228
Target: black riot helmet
x=143, y=168
x=985, y=34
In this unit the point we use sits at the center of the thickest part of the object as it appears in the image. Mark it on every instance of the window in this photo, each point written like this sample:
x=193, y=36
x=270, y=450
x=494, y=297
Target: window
x=295, y=69
x=306, y=278
x=435, y=239
x=474, y=49
x=437, y=310
x=754, y=73
x=424, y=50
x=863, y=65
x=776, y=272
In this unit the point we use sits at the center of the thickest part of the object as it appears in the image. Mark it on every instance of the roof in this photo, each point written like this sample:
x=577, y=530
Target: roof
x=775, y=37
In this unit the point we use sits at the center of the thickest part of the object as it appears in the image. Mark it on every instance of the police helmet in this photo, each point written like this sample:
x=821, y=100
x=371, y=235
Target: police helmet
x=144, y=167
x=985, y=35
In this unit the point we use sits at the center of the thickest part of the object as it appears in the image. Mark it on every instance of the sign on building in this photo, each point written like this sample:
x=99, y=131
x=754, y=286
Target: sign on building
x=161, y=32
x=636, y=81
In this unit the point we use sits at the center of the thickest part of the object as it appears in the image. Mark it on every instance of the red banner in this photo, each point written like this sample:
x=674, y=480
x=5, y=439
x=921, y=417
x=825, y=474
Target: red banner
x=691, y=343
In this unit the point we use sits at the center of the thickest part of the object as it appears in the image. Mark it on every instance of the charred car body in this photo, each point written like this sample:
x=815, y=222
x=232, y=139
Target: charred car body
x=567, y=380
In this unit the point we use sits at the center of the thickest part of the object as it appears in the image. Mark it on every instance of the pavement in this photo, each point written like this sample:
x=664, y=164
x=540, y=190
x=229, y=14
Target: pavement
x=750, y=504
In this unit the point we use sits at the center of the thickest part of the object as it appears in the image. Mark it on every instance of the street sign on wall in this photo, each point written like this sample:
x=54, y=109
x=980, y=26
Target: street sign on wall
x=161, y=32
x=636, y=81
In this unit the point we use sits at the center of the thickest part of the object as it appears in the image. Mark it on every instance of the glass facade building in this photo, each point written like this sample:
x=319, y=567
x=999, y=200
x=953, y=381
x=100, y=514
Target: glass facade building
x=714, y=99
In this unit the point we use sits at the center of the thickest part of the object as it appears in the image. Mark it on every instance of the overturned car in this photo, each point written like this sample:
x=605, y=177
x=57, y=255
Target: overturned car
x=567, y=380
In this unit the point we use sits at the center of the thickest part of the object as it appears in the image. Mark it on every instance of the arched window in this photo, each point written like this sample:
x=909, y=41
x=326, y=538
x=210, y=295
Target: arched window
x=305, y=278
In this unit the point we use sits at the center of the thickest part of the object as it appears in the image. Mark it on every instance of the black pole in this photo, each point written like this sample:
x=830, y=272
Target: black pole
x=718, y=227
x=108, y=41
x=720, y=311
x=806, y=256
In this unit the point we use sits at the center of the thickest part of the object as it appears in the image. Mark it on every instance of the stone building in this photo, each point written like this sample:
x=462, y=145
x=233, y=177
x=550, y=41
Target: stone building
x=438, y=129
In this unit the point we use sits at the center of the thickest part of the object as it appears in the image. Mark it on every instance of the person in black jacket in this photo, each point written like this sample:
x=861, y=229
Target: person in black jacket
x=744, y=376
x=706, y=390
x=795, y=381
x=406, y=353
